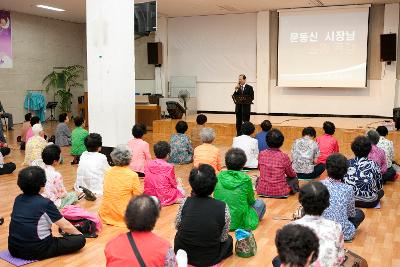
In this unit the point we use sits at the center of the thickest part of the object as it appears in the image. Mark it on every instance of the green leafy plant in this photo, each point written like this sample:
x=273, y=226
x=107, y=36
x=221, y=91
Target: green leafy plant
x=62, y=82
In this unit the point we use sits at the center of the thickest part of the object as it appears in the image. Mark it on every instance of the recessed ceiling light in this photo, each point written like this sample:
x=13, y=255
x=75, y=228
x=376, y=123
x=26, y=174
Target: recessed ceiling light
x=51, y=8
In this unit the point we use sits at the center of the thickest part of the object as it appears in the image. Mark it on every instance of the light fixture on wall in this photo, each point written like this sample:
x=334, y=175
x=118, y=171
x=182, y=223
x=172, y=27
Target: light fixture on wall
x=51, y=8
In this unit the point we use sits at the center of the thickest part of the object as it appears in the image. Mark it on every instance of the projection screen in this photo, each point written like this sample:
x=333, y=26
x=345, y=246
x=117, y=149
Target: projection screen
x=323, y=47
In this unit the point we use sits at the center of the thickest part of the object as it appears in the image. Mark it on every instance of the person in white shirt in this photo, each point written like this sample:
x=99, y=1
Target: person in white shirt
x=387, y=146
x=92, y=166
x=248, y=144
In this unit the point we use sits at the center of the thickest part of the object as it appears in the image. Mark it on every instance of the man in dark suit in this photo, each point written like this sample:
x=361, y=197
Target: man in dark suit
x=8, y=116
x=242, y=111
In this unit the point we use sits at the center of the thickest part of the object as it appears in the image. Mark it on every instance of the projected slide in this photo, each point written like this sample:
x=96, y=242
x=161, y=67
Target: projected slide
x=323, y=47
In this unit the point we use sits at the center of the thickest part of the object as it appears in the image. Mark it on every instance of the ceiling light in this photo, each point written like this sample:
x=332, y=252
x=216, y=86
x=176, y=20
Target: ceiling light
x=51, y=8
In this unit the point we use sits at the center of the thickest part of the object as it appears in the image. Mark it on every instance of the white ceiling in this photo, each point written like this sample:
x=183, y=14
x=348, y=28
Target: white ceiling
x=75, y=9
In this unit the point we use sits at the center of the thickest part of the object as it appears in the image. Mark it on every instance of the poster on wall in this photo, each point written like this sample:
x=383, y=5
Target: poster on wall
x=6, y=61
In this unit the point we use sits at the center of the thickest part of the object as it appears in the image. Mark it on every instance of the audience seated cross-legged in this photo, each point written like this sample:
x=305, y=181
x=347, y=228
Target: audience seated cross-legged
x=305, y=153
x=78, y=136
x=35, y=145
x=377, y=154
x=364, y=175
x=54, y=188
x=30, y=235
x=160, y=180
x=181, y=146
x=235, y=188
x=120, y=185
x=207, y=153
x=341, y=201
x=248, y=144
x=314, y=197
x=387, y=146
x=92, y=166
x=140, y=149
x=29, y=134
x=202, y=222
x=63, y=133
x=9, y=167
x=277, y=177
x=262, y=136
x=141, y=215
x=297, y=246
x=327, y=143
x=195, y=133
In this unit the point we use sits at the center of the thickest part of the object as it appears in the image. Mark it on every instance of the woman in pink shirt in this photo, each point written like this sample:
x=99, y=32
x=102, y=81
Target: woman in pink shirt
x=29, y=133
x=139, y=149
x=160, y=180
x=327, y=143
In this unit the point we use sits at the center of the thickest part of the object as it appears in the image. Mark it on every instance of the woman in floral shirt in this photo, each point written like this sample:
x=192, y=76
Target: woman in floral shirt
x=54, y=188
x=181, y=146
x=387, y=146
x=35, y=145
x=364, y=175
x=314, y=197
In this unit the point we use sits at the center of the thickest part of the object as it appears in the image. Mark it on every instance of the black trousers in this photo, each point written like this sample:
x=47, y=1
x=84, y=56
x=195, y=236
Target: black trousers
x=318, y=170
x=8, y=168
x=59, y=246
x=364, y=204
x=358, y=218
x=242, y=114
x=389, y=175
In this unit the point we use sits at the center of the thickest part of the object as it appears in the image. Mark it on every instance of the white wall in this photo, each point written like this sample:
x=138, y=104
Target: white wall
x=39, y=44
x=377, y=99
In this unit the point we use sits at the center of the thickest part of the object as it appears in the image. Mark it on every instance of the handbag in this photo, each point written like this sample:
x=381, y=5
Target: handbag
x=85, y=226
x=353, y=260
x=135, y=250
x=245, y=245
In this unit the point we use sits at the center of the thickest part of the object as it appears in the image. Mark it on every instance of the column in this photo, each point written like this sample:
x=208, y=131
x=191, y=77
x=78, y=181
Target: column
x=111, y=69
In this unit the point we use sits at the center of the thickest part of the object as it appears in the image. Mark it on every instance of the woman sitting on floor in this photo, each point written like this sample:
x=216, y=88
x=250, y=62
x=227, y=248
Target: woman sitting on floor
x=54, y=188
x=248, y=144
x=235, y=188
x=201, y=120
x=377, y=154
x=314, y=198
x=277, y=177
x=120, y=185
x=160, y=180
x=207, y=153
x=341, y=207
x=63, y=133
x=92, y=166
x=181, y=146
x=29, y=134
x=327, y=143
x=35, y=145
x=30, y=236
x=141, y=215
x=387, y=146
x=364, y=175
x=78, y=137
x=202, y=222
x=140, y=150
x=305, y=152
x=26, y=125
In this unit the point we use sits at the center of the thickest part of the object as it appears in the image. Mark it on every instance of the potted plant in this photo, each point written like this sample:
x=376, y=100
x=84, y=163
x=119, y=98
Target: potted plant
x=62, y=82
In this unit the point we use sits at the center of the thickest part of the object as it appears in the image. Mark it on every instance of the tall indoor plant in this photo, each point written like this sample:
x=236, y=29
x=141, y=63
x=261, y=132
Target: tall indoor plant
x=62, y=82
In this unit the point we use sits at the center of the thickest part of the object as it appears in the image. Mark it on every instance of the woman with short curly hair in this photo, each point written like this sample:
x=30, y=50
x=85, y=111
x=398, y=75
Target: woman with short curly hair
x=120, y=185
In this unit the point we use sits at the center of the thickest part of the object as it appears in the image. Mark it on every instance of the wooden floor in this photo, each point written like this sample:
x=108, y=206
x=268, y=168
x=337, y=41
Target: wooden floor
x=378, y=238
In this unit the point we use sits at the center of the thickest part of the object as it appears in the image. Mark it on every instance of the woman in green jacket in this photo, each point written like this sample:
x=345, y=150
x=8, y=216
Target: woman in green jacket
x=235, y=188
